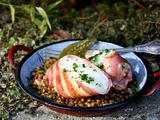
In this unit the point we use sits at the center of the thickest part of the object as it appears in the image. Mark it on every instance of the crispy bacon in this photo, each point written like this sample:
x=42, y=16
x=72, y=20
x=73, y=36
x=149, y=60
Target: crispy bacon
x=74, y=77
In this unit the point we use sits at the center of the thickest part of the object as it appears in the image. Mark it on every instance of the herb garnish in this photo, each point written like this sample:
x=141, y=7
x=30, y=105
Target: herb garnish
x=82, y=71
x=123, y=67
x=84, y=77
x=94, y=70
x=75, y=66
x=64, y=70
x=106, y=51
x=98, y=84
x=100, y=66
x=83, y=65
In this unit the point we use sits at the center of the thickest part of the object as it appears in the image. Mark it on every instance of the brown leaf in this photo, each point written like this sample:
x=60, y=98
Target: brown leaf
x=60, y=34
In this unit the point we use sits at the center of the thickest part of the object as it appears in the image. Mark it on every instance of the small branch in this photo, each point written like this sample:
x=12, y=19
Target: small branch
x=86, y=18
x=5, y=4
x=141, y=6
x=103, y=21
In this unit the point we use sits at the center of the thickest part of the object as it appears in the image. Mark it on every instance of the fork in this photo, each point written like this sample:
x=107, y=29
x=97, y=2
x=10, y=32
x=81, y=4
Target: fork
x=152, y=47
x=50, y=52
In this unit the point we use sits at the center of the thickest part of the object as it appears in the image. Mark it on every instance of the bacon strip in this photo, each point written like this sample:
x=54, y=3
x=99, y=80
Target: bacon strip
x=58, y=82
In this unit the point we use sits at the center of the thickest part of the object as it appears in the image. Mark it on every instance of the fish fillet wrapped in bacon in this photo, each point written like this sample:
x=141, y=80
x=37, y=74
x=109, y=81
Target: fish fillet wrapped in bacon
x=75, y=77
x=118, y=68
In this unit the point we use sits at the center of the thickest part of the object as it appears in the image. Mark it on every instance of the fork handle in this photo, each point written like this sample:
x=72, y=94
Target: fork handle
x=130, y=49
x=152, y=47
x=139, y=48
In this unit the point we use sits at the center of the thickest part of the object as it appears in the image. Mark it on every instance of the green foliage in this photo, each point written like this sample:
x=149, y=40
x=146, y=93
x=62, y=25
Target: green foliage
x=12, y=41
x=30, y=10
x=43, y=22
x=44, y=15
x=51, y=6
x=12, y=13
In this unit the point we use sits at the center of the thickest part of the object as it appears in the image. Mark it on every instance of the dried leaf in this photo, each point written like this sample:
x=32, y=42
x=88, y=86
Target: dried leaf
x=60, y=34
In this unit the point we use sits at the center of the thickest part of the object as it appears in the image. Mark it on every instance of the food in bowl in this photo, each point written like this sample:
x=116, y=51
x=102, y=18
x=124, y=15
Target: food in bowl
x=46, y=81
x=75, y=77
x=116, y=67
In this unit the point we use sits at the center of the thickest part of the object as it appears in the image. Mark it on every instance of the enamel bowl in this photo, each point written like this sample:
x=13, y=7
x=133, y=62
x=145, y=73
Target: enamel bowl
x=36, y=57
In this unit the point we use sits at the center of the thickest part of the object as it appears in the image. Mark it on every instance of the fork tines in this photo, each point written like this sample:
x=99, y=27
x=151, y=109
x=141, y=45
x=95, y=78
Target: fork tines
x=50, y=52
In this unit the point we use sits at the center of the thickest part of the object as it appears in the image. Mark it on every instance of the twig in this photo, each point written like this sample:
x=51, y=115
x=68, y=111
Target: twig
x=86, y=18
x=96, y=25
x=103, y=21
x=141, y=6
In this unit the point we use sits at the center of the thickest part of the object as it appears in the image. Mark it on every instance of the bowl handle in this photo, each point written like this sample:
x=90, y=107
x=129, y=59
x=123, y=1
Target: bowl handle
x=156, y=74
x=12, y=52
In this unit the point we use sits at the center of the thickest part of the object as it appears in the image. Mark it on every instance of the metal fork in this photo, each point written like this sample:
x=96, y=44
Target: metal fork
x=152, y=47
x=50, y=52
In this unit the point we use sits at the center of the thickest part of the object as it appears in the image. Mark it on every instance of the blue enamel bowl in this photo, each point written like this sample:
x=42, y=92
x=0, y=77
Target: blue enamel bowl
x=37, y=57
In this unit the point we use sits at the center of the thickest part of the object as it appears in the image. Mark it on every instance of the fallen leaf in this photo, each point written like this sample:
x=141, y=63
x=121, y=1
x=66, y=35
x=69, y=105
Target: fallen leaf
x=60, y=34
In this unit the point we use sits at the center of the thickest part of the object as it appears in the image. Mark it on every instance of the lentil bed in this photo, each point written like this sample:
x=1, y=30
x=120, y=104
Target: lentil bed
x=39, y=87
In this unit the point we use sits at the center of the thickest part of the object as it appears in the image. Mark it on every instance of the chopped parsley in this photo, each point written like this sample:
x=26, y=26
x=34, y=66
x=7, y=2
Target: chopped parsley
x=100, y=66
x=95, y=59
x=75, y=66
x=84, y=77
x=100, y=53
x=82, y=71
x=98, y=84
x=94, y=70
x=106, y=51
x=64, y=70
x=83, y=65
x=123, y=67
